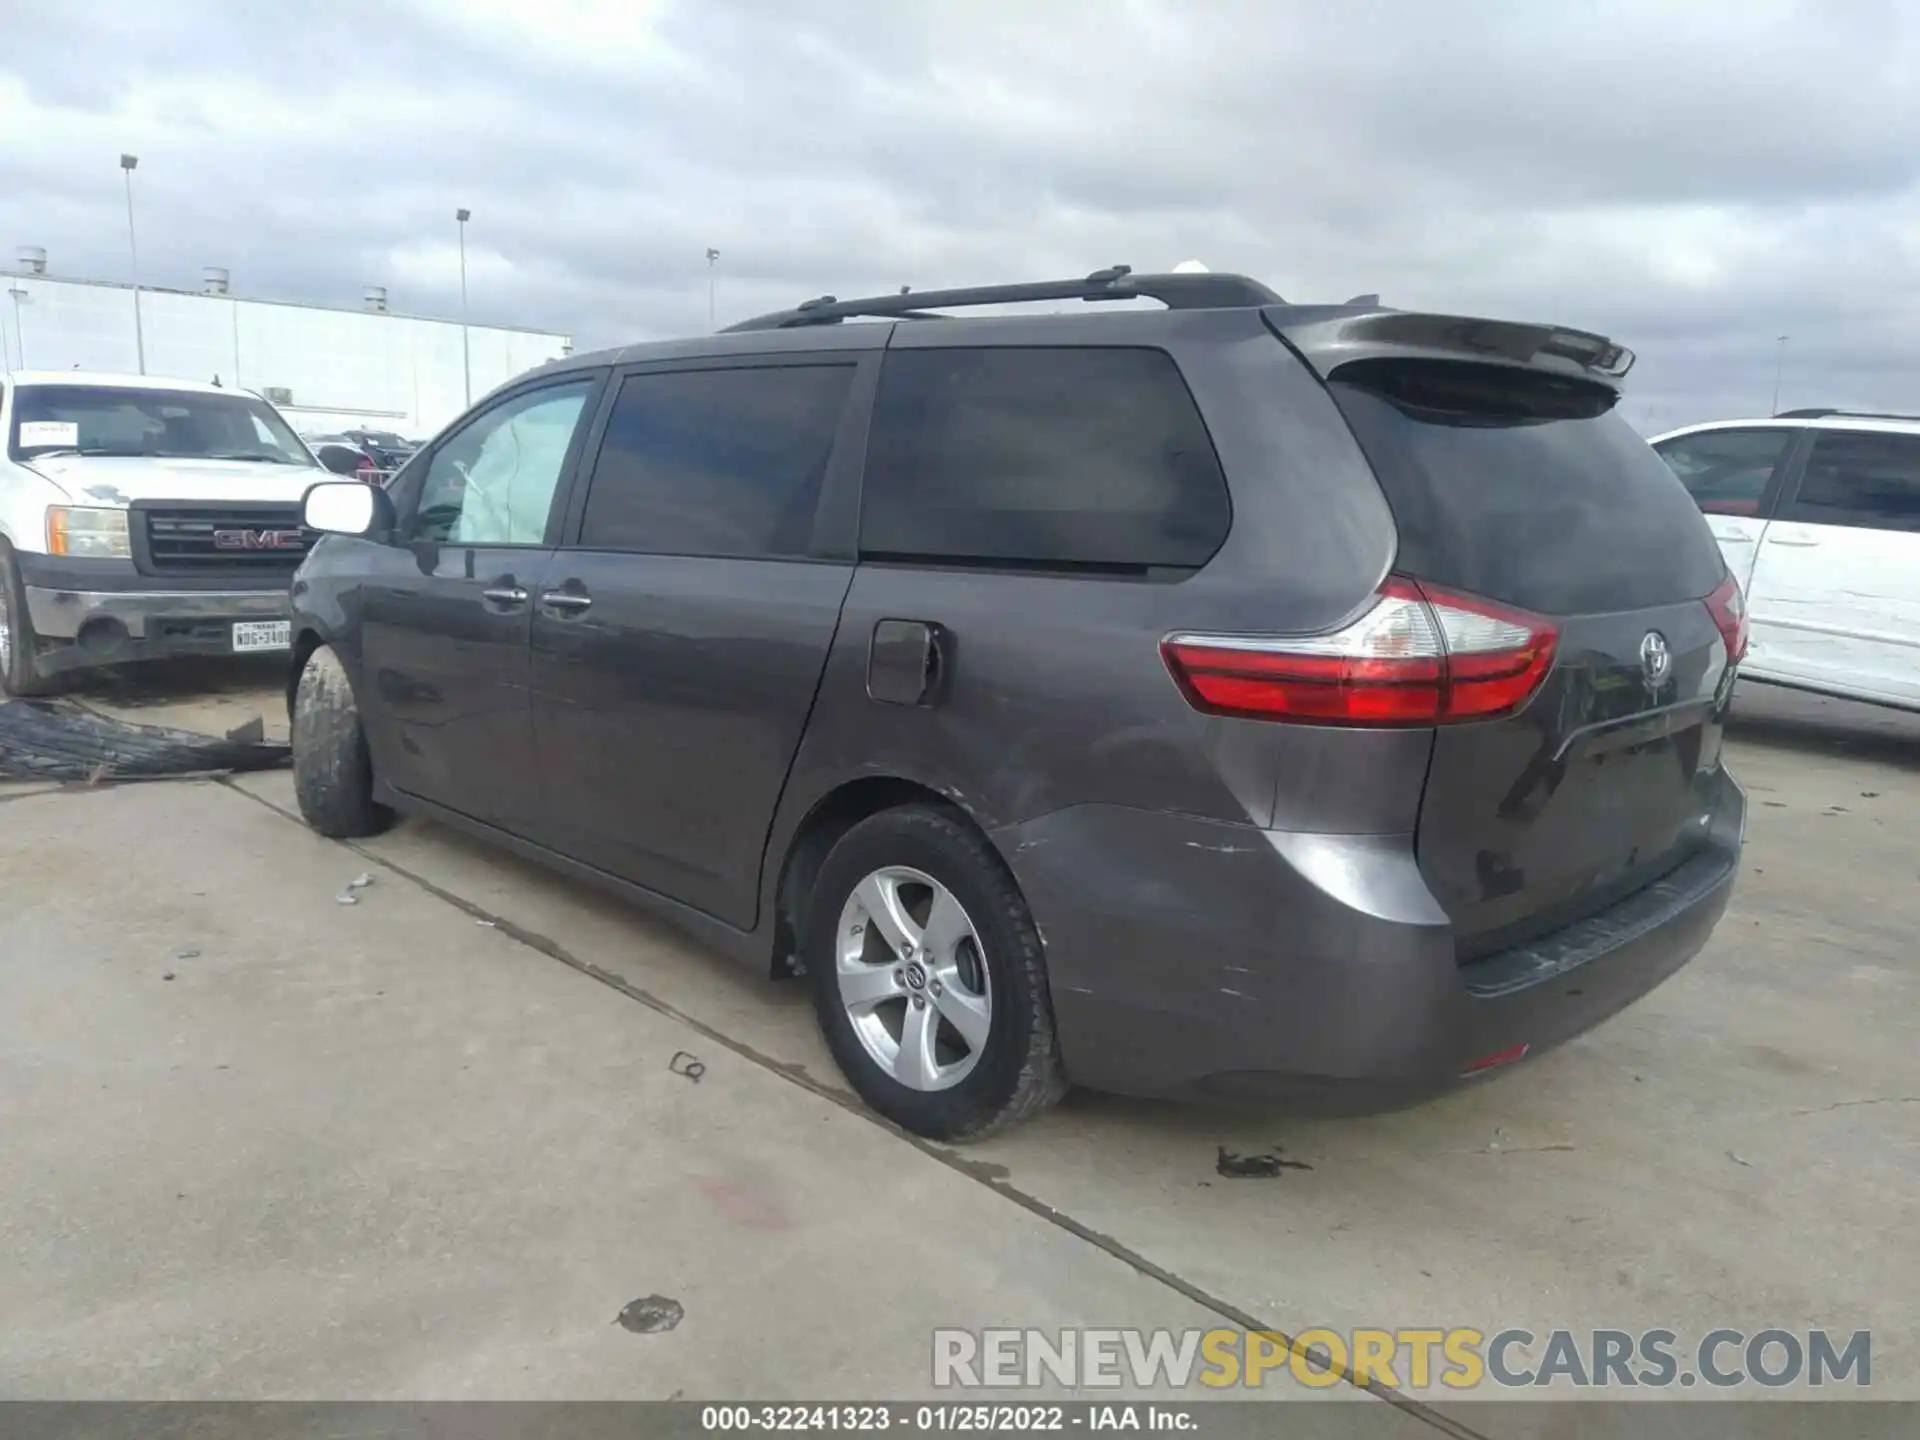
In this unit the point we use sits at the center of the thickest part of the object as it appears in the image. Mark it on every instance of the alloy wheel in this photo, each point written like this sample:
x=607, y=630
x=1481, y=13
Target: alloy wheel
x=913, y=978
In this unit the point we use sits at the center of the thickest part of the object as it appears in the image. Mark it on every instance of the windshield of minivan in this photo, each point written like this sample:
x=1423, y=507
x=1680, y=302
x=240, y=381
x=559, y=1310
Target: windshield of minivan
x=175, y=424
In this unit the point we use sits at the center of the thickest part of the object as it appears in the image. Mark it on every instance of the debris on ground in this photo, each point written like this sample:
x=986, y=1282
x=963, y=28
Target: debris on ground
x=1739, y=1160
x=650, y=1315
x=62, y=740
x=186, y=954
x=689, y=1066
x=1254, y=1167
x=350, y=895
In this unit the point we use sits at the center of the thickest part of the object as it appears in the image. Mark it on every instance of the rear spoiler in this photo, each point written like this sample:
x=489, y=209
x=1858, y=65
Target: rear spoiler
x=1330, y=336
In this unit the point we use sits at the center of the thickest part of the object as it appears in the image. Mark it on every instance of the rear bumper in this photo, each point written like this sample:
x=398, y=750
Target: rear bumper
x=1190, y=958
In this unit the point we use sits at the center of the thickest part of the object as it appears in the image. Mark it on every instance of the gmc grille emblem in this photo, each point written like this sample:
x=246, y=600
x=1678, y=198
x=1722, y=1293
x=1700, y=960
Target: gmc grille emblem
x=258, y=540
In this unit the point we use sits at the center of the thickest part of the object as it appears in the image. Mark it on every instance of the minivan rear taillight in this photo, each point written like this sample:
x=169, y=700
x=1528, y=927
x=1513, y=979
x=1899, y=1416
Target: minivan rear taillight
x=1420, y=655
x=1729, y=609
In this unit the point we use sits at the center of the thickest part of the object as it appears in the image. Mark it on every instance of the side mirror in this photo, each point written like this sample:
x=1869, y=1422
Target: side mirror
x=348, y=507
x=340, y=459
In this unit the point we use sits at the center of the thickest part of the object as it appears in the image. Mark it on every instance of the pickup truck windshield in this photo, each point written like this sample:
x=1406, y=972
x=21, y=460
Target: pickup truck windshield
x=174, y=424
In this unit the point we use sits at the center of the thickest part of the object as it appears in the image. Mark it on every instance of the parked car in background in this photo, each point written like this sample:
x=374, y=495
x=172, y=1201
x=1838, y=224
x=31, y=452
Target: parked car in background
x=1237, y=699
x=341, y=456
x=387, y=450
x=142, y=517
x=1818, y=513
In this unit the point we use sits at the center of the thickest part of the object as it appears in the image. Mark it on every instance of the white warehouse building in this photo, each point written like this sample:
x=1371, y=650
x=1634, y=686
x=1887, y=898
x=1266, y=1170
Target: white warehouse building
x=326, y=368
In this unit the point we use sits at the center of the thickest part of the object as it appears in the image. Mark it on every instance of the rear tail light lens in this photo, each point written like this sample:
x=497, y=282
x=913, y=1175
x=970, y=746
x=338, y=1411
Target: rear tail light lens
x=1729, y=609
x=1420, y=655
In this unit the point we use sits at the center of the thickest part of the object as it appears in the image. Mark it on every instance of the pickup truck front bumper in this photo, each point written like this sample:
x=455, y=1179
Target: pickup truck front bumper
x=94, y=613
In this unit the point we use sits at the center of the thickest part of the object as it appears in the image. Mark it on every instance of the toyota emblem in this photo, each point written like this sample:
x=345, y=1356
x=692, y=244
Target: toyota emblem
x=1656, y=660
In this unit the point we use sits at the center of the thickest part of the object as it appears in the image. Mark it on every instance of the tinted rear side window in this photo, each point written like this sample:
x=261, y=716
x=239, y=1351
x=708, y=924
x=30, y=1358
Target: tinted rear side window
x=1860, y=479
x=1523, y=489
x=1050, y=458
x=715, y=462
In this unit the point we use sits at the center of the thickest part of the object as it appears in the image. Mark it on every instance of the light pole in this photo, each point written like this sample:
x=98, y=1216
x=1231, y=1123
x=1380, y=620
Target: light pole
x=466, y=355
x=19, y=334
x=1779, y=361
x=712, y=255
x=127, y=164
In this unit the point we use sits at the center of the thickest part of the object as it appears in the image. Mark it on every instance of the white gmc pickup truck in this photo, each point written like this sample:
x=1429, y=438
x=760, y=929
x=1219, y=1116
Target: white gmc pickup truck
x=139, y=518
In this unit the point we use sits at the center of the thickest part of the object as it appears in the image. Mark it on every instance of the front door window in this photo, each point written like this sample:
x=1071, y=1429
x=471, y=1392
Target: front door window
x=493, y=482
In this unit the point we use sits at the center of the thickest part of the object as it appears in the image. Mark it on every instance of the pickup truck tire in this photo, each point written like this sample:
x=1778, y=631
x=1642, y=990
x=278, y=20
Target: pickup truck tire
x=17, y=640
x=332, y=767
x=920, y=857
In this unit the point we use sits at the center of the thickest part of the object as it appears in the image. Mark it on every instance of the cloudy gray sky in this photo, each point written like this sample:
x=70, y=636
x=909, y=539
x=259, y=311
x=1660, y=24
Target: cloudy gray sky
x=1694, y=179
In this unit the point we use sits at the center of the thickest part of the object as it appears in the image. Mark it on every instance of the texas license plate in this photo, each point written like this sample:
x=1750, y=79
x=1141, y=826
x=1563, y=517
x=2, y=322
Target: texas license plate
x=262, y=635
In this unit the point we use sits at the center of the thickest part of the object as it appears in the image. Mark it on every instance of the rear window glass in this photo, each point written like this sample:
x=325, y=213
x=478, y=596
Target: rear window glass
x=1048, y=458
x=1526, y=489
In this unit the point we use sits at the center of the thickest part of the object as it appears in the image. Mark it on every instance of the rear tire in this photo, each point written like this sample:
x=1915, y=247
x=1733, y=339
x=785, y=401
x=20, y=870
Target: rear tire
x=332, y=767
x=953, y=1038
x=18, y=643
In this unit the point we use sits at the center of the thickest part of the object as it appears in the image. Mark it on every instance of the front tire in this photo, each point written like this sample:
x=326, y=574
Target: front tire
x=929, y=979
x=332, y=767
x=18, y=643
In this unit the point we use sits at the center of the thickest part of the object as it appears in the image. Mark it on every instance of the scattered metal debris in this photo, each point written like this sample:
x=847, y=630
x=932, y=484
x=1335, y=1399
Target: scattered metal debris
x=167, y=976
x=1254, y=1167
x=348, y=896
x=186, y=954
x=1738, y=1160
x=692, y=1067
x=61, y=740
x=650, y=1315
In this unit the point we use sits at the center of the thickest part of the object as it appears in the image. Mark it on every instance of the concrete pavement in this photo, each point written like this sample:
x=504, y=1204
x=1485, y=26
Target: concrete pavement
x=259, y=1143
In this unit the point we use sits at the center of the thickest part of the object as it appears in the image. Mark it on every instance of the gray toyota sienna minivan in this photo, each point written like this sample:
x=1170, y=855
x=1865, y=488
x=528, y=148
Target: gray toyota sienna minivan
x=1233, y=698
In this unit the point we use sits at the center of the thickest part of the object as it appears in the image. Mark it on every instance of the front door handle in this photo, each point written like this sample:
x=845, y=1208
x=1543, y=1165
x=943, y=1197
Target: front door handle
x=570, y=602
x=505, y=594
x=1792, y=544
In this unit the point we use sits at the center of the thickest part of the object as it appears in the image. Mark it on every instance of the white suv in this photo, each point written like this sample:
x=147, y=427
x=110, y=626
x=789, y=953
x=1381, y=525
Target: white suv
x=142, y=517
x=1818, y=514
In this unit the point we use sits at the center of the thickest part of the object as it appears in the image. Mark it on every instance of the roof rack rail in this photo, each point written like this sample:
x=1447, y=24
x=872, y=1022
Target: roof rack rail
x=1117, y=282
x=1824, y=412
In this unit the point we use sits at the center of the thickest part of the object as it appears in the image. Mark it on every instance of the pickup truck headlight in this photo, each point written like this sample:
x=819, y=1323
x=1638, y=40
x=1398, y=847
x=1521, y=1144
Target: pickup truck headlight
x=87, y=531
